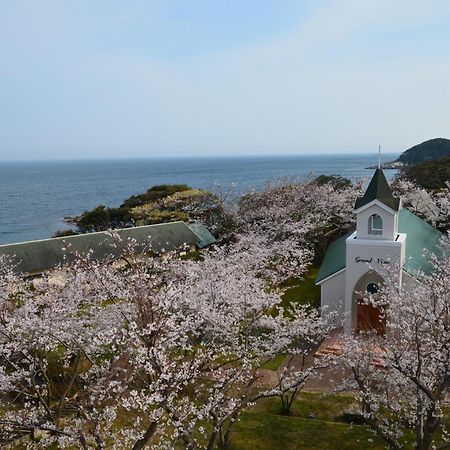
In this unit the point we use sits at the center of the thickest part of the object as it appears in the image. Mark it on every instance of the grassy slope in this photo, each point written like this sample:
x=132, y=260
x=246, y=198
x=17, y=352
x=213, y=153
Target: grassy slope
x=274, y=363
x=271, y=432
x=303, y=291
x=262, y=428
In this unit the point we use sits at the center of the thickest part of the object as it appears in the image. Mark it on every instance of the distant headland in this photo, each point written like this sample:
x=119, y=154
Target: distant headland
x=430, y=150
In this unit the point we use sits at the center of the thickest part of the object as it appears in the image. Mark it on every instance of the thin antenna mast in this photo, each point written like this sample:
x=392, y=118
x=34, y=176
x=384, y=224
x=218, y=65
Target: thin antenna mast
x=379, y=156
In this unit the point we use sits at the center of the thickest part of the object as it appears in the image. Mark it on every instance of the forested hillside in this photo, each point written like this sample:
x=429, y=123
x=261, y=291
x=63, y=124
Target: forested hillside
x=429, y=174
x=426, y=151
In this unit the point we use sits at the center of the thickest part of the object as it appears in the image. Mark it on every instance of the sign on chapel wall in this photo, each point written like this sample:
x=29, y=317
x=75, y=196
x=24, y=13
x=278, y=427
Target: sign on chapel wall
x=372, y=260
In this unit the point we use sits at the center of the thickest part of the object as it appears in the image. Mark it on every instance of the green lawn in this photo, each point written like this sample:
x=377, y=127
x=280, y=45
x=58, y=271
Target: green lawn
x=274, y=363
x=302, y=290
x=272, y=432
x=263, y=428
x=327, y=407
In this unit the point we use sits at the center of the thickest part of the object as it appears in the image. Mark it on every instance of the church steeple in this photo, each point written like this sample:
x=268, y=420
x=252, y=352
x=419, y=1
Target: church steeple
x=377, y=210
x=378, y=189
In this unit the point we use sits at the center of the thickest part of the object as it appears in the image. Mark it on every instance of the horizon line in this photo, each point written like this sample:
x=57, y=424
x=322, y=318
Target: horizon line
x=194, y=156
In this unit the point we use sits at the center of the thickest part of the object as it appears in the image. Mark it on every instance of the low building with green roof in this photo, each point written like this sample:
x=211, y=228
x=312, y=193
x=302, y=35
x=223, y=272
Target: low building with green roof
x=356, y=263
x=35, y=257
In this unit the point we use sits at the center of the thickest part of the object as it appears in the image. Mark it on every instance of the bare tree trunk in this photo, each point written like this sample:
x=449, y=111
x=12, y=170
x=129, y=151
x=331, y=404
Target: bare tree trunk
x=188, y=442
x=83, y=441
x=426, y=442
x=99, y=441
x=419, y=420
x=228, y=438
x=66, y=392
x=140, y=444
x=287, y=400
x=213, y=440
x=285, y=404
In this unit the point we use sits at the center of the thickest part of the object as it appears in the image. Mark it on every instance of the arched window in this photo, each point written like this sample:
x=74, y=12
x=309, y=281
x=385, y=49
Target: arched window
x=375, y=225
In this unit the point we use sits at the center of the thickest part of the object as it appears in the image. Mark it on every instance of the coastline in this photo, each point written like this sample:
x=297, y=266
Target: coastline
x=36, y=197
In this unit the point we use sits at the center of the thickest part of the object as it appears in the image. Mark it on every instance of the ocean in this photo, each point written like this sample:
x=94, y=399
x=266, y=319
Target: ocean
x=36, y=196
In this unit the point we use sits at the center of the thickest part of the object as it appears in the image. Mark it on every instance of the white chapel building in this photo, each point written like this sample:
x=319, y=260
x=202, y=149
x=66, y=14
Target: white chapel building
x=353, y=265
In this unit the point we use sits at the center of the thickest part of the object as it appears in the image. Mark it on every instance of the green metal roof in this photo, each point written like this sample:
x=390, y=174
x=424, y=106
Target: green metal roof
x=378, y=189
x=206, y=238
x=35, y=257
x=334, y=259
x=421, y=240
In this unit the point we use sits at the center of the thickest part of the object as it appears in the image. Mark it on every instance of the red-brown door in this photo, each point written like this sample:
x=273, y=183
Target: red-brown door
x=370, y=318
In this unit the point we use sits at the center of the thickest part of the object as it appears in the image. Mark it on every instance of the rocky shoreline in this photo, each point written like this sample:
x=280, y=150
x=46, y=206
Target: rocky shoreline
x=389, y=165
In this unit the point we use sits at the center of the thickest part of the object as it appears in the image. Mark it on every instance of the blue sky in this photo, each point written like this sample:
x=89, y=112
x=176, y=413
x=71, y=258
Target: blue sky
x=91, y=78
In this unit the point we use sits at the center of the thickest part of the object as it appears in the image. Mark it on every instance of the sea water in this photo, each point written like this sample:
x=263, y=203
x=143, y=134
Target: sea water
x=35, y=197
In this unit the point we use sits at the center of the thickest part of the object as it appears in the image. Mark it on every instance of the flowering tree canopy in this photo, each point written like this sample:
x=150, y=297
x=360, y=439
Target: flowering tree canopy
x=403, y=377
x=140, y=351
x=298, y=220
x=433, y=206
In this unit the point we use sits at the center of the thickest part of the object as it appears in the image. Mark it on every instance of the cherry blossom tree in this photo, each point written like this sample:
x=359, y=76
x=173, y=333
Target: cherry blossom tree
x=137, y=351
x=403, y=377
x=416, y=199
x=54, y=334
x=299, y=216
x=253, y=330
x=431, y=206
x=443, y=203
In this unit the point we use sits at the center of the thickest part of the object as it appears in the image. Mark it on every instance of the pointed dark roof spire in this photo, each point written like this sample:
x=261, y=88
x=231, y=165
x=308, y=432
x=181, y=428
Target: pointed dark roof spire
x=378, y=189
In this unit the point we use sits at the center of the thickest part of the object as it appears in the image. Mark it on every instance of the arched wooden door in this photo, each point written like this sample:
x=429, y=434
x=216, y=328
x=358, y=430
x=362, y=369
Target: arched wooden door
x=369, y=318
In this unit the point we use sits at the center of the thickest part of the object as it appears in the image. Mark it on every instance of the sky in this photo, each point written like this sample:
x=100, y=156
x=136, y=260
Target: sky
x=141, y=78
